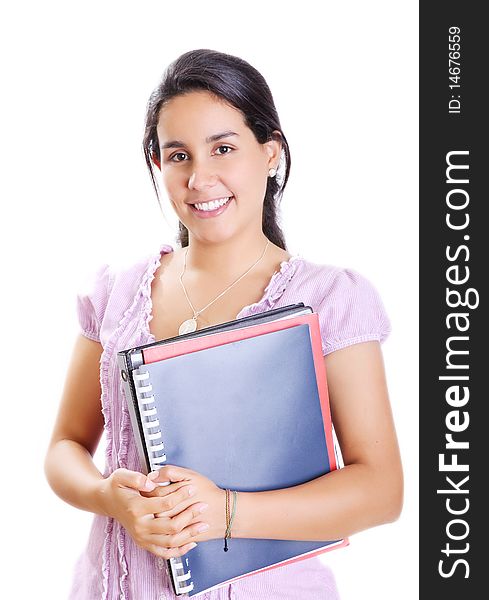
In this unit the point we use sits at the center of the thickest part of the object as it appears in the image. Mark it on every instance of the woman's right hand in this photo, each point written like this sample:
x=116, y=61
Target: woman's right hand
x=163, y=536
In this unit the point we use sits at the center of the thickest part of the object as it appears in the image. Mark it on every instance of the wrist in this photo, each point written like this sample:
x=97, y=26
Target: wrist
x=220, y=515
x=230, y=515
x=238, y=529
x=102, y=494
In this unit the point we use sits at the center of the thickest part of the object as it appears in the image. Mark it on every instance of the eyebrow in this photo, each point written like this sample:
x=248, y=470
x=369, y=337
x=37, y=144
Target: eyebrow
x=209, y=140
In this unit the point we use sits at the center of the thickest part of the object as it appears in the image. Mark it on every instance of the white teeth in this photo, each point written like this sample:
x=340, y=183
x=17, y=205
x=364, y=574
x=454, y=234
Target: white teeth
x=213, y=204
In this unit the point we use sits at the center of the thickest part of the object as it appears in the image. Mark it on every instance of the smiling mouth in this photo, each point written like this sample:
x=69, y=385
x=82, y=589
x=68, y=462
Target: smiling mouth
x=209, y=210
x=212, y=205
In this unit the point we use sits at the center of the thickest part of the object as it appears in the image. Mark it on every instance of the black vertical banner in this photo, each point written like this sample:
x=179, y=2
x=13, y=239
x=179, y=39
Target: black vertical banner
x=454, y=268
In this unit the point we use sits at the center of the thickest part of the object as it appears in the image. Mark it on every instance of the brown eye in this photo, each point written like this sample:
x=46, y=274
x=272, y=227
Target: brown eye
x=223, y=147
x=178, y=154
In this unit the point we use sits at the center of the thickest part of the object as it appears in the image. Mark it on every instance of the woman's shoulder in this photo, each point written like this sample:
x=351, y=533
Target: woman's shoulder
x=113, y=286
x=349, y=305
x=135, y=266
x=325, y=279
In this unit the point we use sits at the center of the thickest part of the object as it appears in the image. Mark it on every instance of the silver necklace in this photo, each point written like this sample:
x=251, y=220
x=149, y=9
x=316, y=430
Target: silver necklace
x=191, y=324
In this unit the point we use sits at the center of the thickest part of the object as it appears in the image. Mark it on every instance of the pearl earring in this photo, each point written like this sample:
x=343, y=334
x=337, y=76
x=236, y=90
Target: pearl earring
x=272, y=172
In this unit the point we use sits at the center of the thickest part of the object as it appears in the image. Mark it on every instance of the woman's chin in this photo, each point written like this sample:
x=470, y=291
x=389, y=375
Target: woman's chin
x=219, y=236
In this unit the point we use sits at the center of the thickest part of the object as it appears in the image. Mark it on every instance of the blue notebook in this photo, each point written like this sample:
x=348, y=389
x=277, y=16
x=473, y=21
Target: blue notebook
x=246, y=406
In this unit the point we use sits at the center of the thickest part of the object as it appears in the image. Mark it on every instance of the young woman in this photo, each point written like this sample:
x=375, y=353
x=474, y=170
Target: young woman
x=214, y=140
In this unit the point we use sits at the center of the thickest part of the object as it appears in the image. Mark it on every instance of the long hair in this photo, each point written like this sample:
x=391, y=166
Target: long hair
x=243, y=87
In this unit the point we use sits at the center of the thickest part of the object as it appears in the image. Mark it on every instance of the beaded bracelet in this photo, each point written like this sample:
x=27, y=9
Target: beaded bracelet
x=229, y=517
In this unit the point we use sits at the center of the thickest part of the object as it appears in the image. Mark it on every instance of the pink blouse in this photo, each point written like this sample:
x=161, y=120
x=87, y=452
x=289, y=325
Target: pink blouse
x=116, y=312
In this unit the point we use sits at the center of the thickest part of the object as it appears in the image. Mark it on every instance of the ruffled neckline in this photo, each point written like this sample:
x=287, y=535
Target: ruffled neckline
x=275, y=288
x=271, y=294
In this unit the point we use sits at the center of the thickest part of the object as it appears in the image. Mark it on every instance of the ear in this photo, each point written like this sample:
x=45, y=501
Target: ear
x=155, y=160
x=273, y=148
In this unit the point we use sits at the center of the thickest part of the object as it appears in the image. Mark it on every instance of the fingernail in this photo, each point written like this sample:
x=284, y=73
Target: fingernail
x=149, y=486
x=192, y=545
x=191, y=491
x=203, y=507
x=203, y=527
x=154, y=475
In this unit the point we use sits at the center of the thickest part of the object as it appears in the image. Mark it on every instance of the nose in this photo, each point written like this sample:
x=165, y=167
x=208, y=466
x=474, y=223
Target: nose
x=201, y=177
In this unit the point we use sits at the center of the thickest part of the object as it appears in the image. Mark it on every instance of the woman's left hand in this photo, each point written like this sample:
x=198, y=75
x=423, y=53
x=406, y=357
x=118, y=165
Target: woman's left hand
x=201, y=490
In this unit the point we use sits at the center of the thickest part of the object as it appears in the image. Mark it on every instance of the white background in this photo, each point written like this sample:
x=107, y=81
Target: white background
x=75, y=194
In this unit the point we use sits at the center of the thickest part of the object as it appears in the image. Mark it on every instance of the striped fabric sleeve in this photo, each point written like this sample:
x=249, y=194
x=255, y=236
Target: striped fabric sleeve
x=351, y=312
x=92, y=302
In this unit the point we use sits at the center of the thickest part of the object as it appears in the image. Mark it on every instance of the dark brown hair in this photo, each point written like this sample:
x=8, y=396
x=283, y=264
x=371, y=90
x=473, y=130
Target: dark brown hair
x=241, y=86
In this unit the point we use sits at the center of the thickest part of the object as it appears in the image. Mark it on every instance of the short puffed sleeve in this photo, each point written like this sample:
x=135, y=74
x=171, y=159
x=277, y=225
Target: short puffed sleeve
x=92, y=301
x=351, y=311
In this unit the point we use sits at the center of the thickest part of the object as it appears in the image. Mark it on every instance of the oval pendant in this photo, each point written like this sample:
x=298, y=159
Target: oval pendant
x=187, y=326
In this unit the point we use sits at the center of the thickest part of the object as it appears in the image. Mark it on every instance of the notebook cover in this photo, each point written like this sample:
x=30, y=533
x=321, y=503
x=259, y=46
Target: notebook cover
x=273, y=428
x=132, y=355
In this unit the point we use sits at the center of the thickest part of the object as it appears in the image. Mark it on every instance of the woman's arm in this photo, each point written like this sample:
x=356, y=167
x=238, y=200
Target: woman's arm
x=366, y=492
x=68, y=465
x=72, y=474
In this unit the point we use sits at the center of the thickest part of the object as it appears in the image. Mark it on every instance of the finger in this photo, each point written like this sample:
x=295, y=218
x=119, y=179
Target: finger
x=133, y=479
x=166, y=526
x=198, y=509
x=174, y=473
x=171, y=552
x=172, y=504
x=187, y=517
x=192, y=533
x=179, y=538
x=163, y=490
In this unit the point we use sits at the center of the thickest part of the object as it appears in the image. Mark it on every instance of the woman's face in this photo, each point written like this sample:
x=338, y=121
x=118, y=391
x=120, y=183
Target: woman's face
x=208, y=153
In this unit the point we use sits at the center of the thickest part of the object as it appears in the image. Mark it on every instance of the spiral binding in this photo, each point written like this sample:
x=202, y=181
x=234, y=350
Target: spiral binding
x=149, y=419
x=154, y=445
x=180, y=575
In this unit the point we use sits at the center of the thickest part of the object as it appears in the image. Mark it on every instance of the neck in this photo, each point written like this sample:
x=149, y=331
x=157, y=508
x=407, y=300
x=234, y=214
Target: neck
x=229, y=258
